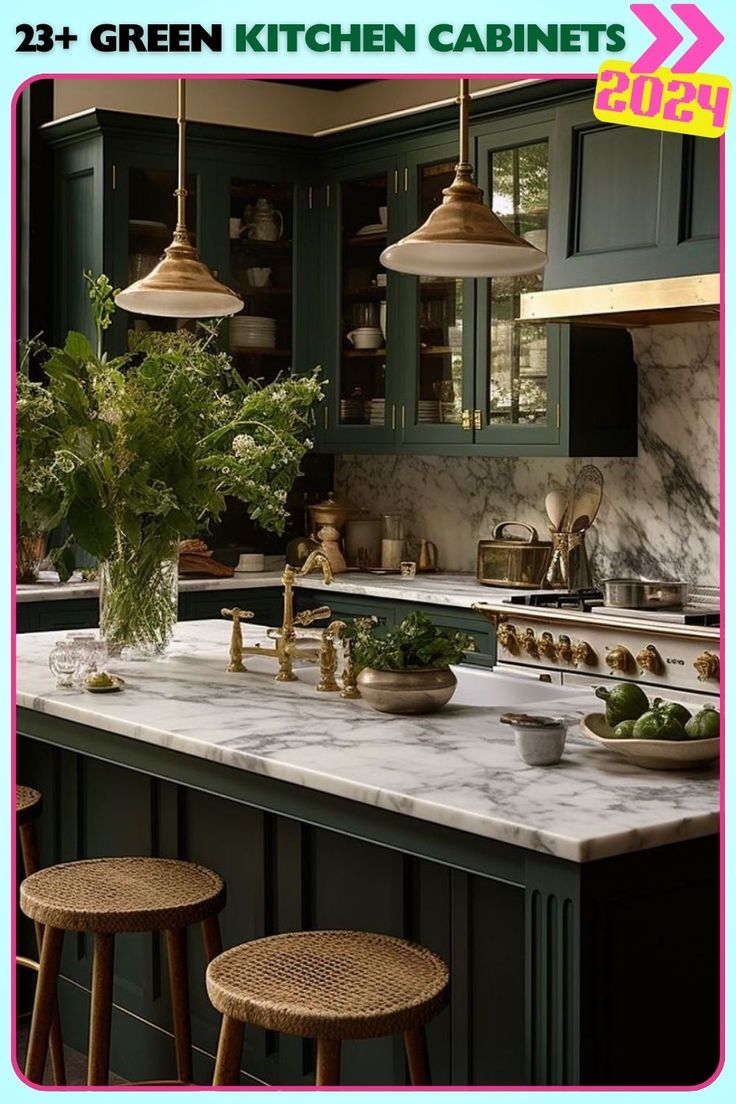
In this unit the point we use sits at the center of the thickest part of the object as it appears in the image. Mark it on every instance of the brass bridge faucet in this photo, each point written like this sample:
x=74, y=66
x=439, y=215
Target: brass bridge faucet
x=286, y=645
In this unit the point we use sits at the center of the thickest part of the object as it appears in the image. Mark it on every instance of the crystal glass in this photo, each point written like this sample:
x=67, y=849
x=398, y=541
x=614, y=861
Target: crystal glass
x=63, y=662
x=91, y=655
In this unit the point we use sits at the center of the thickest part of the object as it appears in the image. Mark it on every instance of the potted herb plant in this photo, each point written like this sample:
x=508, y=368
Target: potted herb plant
x=145, y=448
x=407, y=670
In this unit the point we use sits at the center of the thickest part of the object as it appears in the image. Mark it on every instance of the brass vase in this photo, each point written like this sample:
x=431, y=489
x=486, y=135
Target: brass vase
x=424, y=690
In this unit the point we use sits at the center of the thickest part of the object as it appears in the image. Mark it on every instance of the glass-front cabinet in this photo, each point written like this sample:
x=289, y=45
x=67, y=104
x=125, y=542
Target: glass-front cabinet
x=518, y=363
x=359, y=213
x=437, y=330
x=260, y=234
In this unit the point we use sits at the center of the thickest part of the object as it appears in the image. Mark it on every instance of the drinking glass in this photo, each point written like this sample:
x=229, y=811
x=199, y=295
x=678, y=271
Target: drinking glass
x=63, y=662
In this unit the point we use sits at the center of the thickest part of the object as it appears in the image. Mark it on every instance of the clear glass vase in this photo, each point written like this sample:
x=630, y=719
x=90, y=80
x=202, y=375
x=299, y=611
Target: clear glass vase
x=139, y=593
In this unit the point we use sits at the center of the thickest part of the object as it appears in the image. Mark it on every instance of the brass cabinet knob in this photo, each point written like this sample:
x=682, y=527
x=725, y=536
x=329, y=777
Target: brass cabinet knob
x=620, y=659
x=529, y=643
x=650, y=660
x=582, y=653
x=546, y=645
x=708, y=666
x=564, y=649
x=507, y=638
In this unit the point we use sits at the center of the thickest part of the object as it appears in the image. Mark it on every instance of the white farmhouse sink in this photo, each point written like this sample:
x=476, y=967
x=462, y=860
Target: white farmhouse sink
x=487, y=688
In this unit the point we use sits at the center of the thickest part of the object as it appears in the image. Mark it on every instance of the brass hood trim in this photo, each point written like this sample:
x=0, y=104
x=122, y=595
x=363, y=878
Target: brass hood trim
x=637, y=303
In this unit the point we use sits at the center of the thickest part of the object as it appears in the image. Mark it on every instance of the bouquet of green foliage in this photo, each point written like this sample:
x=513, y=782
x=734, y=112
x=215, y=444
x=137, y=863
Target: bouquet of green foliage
x=415, y=644
x=140, y=451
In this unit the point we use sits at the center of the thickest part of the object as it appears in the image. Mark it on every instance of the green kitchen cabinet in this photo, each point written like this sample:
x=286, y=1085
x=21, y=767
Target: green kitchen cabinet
x=634, y=204
x=115, y=176
x=360, y=210
x=390, y=612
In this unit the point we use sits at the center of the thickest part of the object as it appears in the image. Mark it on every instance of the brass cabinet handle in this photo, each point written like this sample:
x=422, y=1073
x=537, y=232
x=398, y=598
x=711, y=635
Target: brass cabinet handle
x=325, y=417
x=327, y=195
x=403, y=416
x=477, y=419
x=396, y=181
x=467, y=422
x=406, y=178
x=393, y=416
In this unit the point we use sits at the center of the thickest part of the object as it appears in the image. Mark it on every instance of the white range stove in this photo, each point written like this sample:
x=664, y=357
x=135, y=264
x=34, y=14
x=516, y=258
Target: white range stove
x=574, y=640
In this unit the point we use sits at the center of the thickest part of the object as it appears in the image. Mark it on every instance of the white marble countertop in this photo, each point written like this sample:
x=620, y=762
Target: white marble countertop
x=458, y=767
x=48, y=588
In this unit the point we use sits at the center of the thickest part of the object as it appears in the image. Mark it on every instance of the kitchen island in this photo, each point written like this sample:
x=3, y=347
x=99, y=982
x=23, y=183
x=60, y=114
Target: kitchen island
x=577, y=905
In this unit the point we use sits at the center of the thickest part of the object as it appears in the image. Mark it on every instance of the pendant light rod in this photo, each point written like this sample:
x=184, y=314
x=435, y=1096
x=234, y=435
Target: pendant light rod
x=180, y=286
x=181, y=187
x=464, y=101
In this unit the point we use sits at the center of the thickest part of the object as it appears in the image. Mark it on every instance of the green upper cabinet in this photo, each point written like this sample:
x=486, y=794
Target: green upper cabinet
x=634, y=204
x=359, y=212
x=413, y=364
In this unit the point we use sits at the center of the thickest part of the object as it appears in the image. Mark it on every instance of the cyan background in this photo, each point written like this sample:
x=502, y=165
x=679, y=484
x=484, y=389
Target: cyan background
x=81, y=58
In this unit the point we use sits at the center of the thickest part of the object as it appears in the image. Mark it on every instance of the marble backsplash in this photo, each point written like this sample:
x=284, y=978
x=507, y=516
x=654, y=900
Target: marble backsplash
x=660, y=510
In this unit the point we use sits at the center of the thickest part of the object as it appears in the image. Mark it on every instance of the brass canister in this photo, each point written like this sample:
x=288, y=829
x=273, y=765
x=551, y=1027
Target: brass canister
x=513, y=562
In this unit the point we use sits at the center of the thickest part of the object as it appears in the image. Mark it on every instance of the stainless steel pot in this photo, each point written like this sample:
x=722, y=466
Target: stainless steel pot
x=644, y=593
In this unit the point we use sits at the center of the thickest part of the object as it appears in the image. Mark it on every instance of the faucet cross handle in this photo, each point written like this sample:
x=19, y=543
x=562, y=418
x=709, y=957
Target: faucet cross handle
x=306, y=617
x=236, y=637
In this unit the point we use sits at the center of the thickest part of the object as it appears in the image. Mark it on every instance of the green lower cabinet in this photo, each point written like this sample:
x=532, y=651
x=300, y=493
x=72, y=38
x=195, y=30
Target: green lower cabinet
x=57, y=615
x=390, y=613
x=562, y=973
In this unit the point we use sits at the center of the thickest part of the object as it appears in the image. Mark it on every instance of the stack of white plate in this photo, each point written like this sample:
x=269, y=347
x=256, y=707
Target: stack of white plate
x=248, y=331
x=377, y=412
x=428, y=410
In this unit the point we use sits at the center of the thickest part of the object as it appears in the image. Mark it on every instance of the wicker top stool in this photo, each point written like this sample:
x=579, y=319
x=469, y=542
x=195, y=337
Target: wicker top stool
x=122, y=895
x=106, y=897
x=27, y=804
x=329, y=986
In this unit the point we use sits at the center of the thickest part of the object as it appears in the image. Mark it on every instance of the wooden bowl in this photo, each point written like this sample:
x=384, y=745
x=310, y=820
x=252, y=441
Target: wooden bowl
x=655, y=754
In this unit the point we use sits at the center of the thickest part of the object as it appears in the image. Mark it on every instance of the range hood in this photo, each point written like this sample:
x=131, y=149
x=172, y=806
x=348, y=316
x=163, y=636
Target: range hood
x=639, y=303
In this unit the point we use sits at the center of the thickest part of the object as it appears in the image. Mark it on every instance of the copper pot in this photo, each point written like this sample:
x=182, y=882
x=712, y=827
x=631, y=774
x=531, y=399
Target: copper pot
x=29, y=552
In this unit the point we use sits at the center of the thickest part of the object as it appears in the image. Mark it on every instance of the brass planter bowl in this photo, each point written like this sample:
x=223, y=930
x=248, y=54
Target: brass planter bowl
x=419, y=691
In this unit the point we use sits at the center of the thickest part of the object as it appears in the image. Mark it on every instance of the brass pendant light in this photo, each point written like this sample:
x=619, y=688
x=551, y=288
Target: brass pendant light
x=462, y=237
x=180, y=286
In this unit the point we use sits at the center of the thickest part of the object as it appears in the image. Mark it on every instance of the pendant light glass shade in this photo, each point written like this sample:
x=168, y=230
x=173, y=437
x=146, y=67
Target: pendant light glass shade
x=180, y=286
x=462, y=237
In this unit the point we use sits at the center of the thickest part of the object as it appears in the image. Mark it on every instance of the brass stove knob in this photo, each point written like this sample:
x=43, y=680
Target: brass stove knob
x=507, y=638
x=563, y=649
x=708, y=666
x=620, y=659
x=582, y=653
x=546, y=645
x=529, y=643
x=650, y=660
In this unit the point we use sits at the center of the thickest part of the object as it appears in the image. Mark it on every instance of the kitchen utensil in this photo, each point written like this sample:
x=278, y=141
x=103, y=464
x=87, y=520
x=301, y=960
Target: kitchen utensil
x=513, y=562
x=363, y=541
x=263, y=222
x=540, y=741
x=329, y=512
x=249, y=562
x=655, y=754
x=257, y=276
x=366, y=337
x=586, y=498
x=556, y=506
x=427, y=557
x=329, y=538
x=644, y=593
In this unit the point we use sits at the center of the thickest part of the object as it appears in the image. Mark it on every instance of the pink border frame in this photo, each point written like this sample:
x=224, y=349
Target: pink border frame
x=722, y=575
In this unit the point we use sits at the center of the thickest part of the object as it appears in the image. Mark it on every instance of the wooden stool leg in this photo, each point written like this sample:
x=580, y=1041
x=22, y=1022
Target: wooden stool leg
x=211, y=938
x=44, y=1004
x=100, y=1013
x=229, y=1050
x=416, y=1055
x=328, y=1062
x=176, y=949
x=29, y=853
